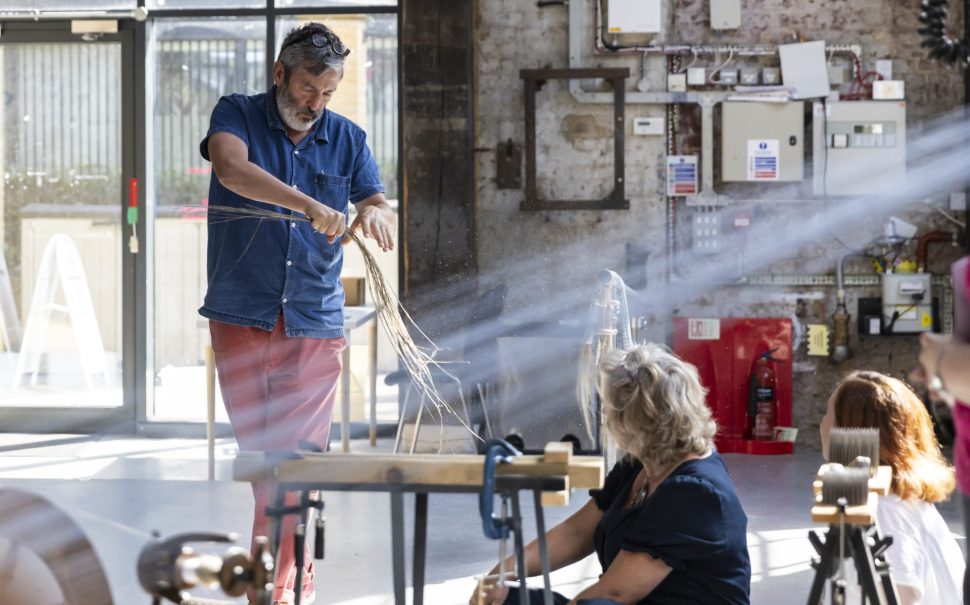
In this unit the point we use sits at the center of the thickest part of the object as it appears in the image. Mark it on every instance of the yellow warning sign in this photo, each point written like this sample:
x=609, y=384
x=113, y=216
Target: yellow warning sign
x=818, y=340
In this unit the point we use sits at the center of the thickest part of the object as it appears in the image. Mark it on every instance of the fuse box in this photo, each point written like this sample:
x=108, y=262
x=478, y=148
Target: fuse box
x=762, y=141
x=634, y=17
x=859, y=147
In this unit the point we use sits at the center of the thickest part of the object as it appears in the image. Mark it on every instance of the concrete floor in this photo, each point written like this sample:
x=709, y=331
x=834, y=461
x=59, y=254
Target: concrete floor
x=119, y=490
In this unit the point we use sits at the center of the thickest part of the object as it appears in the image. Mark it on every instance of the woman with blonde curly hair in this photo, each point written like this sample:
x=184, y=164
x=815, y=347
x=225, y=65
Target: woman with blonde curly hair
x=925, y=561
x=667, y=526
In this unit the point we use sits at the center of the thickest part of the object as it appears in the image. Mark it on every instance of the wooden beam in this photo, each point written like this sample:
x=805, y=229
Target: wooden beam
x=584, y=472
x=864, y=514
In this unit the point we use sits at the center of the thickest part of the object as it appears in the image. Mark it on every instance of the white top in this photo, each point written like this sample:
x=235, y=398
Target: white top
x=924, y=554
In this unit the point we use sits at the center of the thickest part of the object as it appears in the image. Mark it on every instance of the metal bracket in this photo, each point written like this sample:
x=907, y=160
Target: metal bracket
x=533, y=78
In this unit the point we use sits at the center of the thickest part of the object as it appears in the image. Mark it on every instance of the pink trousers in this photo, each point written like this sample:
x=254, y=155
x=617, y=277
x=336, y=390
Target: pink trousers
x=278, y=392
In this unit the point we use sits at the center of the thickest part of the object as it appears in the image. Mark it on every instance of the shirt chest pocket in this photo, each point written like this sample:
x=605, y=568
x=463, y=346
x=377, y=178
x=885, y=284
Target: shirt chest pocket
x=333, y=191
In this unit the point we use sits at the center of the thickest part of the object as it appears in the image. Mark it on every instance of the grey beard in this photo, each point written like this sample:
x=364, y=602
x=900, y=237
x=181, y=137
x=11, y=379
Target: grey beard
x=291, y=115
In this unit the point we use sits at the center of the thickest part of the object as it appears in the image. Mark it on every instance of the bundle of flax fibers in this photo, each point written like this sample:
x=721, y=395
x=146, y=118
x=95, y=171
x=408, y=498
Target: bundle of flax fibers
x=391, y=313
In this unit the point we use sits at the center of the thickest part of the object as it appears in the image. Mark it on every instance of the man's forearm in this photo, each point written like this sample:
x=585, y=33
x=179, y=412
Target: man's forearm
x=249, y=180
x=377, y=201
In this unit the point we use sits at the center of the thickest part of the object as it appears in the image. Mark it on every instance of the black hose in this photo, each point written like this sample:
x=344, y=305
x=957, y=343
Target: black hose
x=941, y=47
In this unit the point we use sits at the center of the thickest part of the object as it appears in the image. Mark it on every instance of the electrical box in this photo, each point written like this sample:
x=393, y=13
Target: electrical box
x=859, y=147
x=676, y=82
x=762, y=141
x=725, y=14
x=750, y=76
x=907, y=303
x=727, y=77
x=634, y=17
x=771, y=76
x=696, y=76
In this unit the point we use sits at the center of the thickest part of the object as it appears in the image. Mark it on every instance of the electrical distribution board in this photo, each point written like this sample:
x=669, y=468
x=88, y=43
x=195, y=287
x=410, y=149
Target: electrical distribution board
x=762, y=141
x=907, y=303
x=634, y=17
x=859, y=147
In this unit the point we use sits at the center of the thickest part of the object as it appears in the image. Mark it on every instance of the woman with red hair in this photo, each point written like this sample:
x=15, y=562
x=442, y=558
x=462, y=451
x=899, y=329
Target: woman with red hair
x=925, y=561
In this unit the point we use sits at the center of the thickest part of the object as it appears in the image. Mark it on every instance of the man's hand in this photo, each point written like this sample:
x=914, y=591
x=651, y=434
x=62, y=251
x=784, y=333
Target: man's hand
x=375, y=219
x=931, y=345
x=326, y=220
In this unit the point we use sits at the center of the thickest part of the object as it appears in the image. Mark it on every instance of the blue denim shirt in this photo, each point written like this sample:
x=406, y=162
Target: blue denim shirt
x=258, y=268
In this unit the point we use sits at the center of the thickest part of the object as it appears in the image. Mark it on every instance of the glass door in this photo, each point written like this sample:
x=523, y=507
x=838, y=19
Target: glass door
x=63, y=201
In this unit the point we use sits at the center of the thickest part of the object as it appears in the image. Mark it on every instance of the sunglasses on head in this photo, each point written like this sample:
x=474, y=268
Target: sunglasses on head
x=320, y=40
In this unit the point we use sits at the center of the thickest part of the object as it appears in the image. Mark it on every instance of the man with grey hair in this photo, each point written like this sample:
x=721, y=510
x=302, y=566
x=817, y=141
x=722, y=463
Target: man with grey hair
x=274, y=298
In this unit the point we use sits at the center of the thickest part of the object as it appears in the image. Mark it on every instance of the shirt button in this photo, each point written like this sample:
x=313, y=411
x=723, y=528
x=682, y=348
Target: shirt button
x=296, y=152
x=292, y=224
x=288, y=263
x=284, y=301
x=295, y=186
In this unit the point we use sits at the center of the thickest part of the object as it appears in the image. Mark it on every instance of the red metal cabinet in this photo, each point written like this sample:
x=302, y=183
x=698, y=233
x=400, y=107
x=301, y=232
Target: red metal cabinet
x=724, y=351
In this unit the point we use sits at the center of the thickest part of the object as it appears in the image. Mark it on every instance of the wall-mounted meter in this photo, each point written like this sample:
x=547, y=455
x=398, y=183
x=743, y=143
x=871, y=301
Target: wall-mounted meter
x=859, y=147
x=634, y=17
x=762, y=141
x=907, y=303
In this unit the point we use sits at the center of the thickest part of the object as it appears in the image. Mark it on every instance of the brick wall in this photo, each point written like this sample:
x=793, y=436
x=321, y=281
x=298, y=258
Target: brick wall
x=550, y=260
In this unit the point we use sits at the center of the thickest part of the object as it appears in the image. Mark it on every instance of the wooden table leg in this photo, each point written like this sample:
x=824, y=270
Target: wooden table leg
x=210, y=409
x=345, y=399
x=373, y=383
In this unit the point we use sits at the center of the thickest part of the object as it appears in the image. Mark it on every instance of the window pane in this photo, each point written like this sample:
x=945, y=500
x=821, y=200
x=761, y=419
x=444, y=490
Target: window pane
x=368, y=92
x=197, y=61
x=73, y=5
x=62, y=234
x=319, y=3
x=368, y=95
x=199, y=4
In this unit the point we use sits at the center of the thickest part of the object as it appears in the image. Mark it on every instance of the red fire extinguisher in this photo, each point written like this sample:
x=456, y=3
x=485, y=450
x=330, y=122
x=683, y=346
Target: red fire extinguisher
x=762, y=399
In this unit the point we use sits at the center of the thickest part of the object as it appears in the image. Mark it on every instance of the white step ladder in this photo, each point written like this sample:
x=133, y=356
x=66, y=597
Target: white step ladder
x=61, y=265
